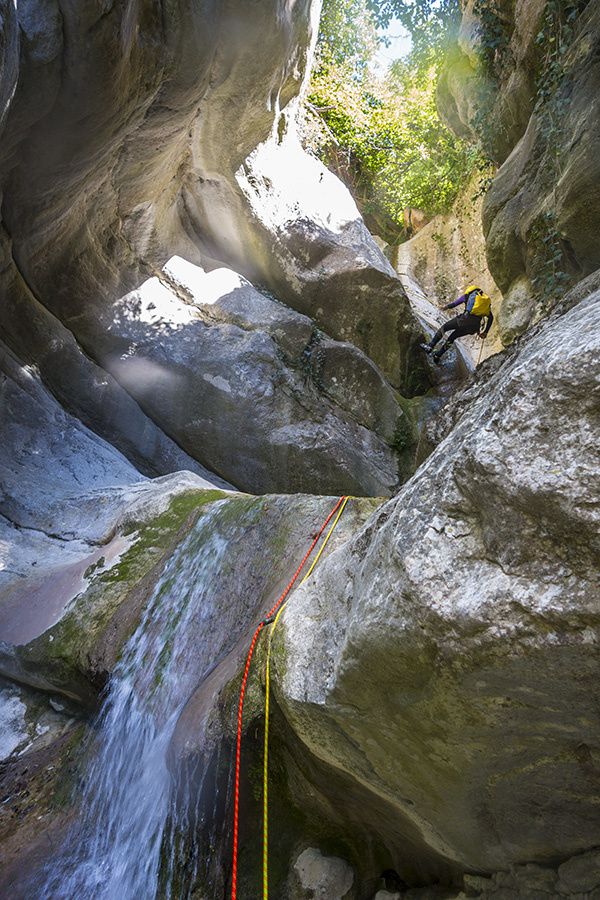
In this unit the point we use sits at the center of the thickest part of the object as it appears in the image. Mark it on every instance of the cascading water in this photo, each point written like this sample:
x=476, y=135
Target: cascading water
x=114, y=849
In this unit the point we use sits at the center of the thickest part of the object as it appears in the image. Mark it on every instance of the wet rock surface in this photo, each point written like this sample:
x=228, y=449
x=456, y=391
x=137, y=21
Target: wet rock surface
x=217, y=593
x=190, y=302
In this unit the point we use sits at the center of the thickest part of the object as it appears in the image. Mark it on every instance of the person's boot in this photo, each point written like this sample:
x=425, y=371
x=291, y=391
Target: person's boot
x=426, y=347
x=439, y=353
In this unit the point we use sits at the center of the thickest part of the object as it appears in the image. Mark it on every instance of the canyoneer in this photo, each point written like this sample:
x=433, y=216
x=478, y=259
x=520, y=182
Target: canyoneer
x=477, y=318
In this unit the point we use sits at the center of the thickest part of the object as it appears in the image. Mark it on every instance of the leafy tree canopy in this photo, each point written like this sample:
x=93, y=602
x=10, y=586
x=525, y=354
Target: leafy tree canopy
x=382, y=133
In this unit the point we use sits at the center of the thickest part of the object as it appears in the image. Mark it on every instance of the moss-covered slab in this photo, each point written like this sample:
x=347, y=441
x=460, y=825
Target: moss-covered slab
x=75, y=654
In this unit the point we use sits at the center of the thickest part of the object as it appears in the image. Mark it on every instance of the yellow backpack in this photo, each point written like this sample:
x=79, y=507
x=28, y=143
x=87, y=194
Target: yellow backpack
x=483, y=303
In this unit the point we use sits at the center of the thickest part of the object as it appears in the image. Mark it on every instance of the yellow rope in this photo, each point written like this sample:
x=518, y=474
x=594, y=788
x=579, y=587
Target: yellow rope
x=480, y=351
x=267, y=711
x=324, y=544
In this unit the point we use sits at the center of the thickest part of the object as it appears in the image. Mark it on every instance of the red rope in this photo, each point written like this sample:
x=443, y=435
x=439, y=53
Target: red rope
x=238, y=751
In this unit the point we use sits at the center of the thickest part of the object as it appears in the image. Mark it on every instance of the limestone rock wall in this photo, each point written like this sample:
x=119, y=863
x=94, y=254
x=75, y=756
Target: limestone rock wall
x=445, y=256
x=536, y=111
x=446, y=659
x=134, y=132
x=435, y=702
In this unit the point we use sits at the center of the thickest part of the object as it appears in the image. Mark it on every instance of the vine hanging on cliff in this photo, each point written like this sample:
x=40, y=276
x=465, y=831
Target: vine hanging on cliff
x=555, y=37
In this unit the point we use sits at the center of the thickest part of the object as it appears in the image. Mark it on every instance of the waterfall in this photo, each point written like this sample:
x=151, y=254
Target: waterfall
x=113, y=850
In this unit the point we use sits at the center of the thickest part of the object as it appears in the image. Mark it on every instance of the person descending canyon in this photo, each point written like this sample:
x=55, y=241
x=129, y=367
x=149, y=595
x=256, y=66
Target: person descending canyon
x=477, y=318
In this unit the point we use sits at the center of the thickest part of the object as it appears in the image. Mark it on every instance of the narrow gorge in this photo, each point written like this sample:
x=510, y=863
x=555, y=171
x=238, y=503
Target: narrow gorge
x=203, y=347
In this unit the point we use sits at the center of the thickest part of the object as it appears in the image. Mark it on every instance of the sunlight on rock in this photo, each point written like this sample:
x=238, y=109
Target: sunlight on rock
x=143, y=376
x=205, y=287
x=5, y=549
x=153, y=303
x=13, y=731
x=282, y=182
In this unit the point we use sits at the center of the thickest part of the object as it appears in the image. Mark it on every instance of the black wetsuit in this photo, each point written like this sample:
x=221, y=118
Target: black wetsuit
x=466, y=323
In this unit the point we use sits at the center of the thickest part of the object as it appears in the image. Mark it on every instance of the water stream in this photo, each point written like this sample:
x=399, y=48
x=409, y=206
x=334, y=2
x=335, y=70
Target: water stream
x=114, y=848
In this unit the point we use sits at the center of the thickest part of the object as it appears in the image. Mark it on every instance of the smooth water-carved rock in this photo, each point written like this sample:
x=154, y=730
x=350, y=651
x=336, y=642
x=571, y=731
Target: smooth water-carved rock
x=156, y=156
x=447, y=658
x=263, y=416
x=474, y=87
x=44, y=346
x=9, y=56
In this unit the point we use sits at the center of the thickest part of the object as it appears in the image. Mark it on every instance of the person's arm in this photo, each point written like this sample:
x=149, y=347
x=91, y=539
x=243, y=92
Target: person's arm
x=455, y=302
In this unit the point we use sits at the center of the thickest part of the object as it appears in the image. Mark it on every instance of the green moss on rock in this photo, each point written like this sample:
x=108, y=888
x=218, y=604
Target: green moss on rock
x=78, y=650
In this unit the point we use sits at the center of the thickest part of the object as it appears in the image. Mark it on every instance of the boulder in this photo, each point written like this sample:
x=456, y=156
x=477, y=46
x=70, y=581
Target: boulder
x=249, y=388
x=320, y=876
x=446, y=658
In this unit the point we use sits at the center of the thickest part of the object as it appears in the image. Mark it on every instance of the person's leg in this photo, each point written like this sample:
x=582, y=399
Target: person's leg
x=461, y=325
x=446, y=327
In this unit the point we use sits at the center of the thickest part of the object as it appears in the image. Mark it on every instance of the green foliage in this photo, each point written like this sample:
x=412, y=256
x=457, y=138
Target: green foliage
x=550, y=264
x=432, y=24
x=403, y=435
x=347, y=33
x=383, y=134
x=554, y=38
x=495, y=34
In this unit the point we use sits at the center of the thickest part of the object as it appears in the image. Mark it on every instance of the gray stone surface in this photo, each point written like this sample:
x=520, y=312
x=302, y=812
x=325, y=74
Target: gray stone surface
x=320, y=422
x=66, y=497
x=507, y=93
x=440, y=673
x=320, y=876
x=9, y=56
x=85, y=390
x=580, y=874
x=516, y=311
x=540, y=215
x=448, y=657
x=29, y=721
x=152, y=160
